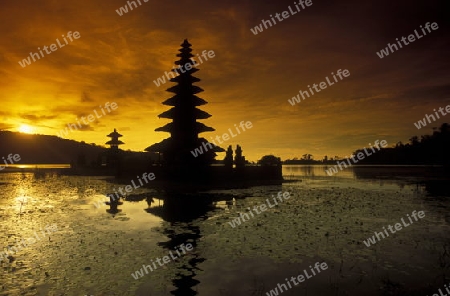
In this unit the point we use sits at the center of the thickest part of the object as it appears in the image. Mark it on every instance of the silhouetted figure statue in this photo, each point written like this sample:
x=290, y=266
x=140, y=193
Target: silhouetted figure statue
x=239, y=160
x=228, y=160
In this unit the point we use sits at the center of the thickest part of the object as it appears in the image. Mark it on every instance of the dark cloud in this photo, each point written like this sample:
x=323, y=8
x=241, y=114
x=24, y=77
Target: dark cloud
x=86, y=98
x=37, y=118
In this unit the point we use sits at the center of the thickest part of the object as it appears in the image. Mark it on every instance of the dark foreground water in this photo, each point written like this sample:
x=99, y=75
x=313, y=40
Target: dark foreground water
x=90, y=251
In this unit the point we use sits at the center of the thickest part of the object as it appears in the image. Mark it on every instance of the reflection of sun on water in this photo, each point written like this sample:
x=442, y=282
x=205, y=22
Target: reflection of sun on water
x=22, y=197
x=20, y=203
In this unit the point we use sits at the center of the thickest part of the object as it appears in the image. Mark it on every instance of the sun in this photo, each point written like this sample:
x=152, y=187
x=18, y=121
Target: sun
x=26, y=129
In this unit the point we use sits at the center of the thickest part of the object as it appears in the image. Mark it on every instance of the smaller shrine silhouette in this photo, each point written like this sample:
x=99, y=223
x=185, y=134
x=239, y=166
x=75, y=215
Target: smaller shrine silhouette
x=114, y=142
x=113, y=155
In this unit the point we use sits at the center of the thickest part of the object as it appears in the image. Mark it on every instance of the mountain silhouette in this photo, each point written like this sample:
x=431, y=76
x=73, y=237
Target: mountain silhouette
x=40, y=149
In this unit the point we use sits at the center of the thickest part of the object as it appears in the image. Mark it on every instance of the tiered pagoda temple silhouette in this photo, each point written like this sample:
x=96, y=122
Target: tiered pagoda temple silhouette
x=185, y=129
x=114, y=142
x=176, y=161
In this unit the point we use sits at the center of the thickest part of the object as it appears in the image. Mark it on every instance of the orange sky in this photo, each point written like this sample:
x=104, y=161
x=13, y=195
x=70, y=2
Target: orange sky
x=250, y=78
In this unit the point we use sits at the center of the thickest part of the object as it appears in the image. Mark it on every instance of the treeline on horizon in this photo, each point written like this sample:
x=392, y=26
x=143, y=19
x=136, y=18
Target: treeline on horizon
x=431, y=149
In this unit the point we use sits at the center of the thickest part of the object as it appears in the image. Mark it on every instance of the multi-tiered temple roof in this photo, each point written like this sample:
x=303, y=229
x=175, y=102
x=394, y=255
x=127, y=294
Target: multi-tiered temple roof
x=184, y=129
x=114, y=142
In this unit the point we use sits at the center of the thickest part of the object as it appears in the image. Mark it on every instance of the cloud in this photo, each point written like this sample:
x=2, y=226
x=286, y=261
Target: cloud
x=36, y=118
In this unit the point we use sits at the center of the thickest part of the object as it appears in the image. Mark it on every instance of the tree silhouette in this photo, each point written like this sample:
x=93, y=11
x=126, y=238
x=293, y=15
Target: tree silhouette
x=429, y=149
x=269, y=160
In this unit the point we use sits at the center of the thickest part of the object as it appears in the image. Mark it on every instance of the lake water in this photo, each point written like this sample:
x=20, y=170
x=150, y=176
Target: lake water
x=325, y=219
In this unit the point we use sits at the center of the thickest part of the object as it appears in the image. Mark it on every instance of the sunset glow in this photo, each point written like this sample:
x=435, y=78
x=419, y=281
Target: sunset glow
x=26, y=129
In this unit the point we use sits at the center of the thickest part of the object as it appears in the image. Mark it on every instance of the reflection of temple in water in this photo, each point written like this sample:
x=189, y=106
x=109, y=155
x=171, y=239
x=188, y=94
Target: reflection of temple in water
x=180, y=211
